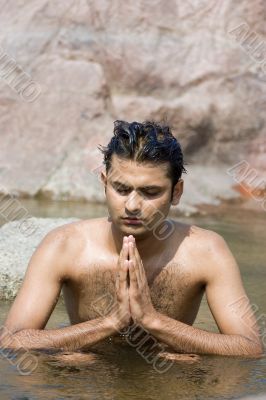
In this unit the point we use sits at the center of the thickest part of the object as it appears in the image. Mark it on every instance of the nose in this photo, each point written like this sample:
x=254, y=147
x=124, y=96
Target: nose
x=133, y=203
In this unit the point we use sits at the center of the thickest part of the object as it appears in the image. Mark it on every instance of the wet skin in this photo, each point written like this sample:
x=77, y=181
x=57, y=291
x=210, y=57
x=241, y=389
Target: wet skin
x=176, y=285
x=161, y=281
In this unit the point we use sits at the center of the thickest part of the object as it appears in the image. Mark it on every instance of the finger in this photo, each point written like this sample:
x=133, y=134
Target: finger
x=133, y=276
x=133, y=258
x=142, y=273
x=125, y=253
x=140, y=270
x=120, y=270
x=123, y=277
x=131, y=238
x=131, y=251
x=117, y=282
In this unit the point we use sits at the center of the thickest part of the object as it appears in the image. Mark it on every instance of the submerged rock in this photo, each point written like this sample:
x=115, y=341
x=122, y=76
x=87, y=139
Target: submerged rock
x=17, y=247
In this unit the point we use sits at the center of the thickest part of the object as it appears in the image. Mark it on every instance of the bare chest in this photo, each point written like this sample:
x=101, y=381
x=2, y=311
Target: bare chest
x=175, y=291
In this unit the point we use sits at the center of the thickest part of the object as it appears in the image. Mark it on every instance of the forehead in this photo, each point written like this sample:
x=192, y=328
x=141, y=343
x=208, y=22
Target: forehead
x=135, y=173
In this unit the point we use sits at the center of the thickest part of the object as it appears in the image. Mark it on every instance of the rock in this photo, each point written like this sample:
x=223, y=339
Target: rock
x=78, y=177
x=16, y=249
x=39, y=138
x=200, y=186
x=192, y=64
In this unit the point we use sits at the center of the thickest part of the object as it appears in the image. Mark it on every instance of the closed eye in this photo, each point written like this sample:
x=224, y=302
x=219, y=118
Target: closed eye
x=122, y=191
x=151, y=194
x=126, y=191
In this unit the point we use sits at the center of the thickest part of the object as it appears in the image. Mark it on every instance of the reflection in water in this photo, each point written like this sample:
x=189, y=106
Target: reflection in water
x=117, y=371
x=121, y=373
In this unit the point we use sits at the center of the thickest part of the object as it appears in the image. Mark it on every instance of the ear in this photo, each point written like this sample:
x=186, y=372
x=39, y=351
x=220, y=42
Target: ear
x=104, y=180
x=177, y=192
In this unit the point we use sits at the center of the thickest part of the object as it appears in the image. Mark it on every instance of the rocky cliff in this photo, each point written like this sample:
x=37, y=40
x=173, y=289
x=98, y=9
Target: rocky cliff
x=200, y=65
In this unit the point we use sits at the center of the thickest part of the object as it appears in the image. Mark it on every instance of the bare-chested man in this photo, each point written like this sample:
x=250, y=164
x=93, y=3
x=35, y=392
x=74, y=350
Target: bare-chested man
x=155, y=269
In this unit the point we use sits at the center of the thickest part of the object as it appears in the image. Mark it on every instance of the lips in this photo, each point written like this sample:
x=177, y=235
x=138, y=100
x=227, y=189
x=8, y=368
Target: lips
x=132, y=220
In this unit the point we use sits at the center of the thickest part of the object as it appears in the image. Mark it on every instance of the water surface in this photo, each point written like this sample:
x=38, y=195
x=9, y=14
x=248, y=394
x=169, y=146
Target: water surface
x=119, y=372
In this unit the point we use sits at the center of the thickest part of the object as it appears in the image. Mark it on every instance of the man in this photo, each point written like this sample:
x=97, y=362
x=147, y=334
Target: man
x=154, y=270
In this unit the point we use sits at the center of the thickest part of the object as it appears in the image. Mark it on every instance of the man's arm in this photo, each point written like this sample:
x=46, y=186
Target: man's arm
x=225, y=294
x=24, y=325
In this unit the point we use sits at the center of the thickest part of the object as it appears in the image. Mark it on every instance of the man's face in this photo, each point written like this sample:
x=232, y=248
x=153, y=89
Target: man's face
x=138, y=195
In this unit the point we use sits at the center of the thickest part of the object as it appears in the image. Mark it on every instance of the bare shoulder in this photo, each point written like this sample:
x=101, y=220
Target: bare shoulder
x=71, y=238
x=214, y=253
x=207, y=250
x=196, y=237
x=79, y=229
x=199, y=238
x=81, y=233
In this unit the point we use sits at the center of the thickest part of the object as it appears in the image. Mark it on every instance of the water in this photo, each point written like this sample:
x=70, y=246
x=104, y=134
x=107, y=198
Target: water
x=119, y=372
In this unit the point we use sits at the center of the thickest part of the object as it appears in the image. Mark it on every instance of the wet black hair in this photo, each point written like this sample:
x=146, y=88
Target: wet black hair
x=145, y=142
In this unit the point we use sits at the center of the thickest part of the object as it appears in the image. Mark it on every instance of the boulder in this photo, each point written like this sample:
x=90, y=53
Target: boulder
x=198, y=65
x=17, y=247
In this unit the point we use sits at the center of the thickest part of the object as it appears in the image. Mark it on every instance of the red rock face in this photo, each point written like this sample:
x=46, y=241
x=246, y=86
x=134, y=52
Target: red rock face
x=191, y=63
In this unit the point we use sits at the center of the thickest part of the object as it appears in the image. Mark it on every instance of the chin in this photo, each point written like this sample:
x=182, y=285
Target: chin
x=126, y=230
x=137, y=232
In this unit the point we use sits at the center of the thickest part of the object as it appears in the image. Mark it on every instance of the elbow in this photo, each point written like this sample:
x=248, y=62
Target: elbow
x=8, y=341
x=259, y=350
x=256, y=348
x=14, y=340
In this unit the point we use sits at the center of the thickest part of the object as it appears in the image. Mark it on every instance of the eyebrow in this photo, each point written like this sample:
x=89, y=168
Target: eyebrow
x=149, y=187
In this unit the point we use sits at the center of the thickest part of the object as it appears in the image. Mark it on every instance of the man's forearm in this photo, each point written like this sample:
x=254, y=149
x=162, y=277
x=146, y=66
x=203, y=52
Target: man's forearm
x=69, y=338
x=185, y=338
